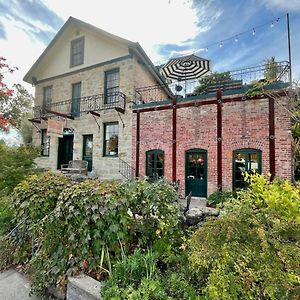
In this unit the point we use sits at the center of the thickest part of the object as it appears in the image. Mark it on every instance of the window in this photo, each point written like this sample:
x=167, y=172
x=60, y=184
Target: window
x=45, y=142
x=111, y=139
x=155, y=164
x=245, y=161
x=77, y=52
x=76, y=97
x=47, y=98
x=111, y=86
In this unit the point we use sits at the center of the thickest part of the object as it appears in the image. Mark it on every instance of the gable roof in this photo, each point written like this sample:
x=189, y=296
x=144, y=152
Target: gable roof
x=134, y=47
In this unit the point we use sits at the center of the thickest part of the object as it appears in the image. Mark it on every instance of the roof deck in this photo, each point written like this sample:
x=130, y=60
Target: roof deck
x=235, y=82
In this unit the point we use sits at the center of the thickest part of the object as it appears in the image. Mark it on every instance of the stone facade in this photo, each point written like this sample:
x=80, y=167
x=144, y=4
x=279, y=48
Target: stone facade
x=245, y=124
x=132, y=75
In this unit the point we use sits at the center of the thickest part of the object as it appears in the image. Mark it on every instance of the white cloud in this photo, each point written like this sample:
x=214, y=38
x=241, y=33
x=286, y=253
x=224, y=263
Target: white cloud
x=285, y=5
x=148, y=22
x=151, y=23
x=20, y=50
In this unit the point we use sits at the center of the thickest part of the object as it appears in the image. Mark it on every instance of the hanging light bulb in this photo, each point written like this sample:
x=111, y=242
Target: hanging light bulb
x=253, y=32
x=221, y=44
x=272, y=24
x=236, y=39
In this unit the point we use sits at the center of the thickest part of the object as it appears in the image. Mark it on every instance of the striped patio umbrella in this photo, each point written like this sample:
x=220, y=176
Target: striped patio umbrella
x=185, y=68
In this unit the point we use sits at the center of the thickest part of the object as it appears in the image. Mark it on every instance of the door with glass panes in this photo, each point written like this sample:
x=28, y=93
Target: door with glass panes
x=87, y=153
x=155, y=164
x=245, y=161
x=196, y=172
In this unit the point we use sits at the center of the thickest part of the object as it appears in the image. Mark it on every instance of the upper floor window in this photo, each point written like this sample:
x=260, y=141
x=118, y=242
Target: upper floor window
x=111, y=139
x=77, y=52
x=245, y=161
x=111, y=88
x=76, y=97
x=47, y=97
x=45, y=143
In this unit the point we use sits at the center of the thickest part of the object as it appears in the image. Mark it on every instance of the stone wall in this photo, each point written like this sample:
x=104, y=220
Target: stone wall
x=132, y=74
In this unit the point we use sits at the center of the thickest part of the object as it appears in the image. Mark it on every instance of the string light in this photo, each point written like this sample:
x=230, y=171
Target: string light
x=236, y=37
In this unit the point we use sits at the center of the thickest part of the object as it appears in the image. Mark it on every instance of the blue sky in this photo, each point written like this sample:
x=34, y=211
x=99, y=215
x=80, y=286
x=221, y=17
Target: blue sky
x=165, y=28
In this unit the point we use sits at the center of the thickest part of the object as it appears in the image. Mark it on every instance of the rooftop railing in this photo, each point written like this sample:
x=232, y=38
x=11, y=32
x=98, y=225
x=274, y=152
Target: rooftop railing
x=232, y=80
x=75, y=107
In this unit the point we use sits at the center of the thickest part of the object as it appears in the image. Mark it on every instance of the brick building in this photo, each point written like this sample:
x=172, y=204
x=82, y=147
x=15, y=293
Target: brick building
x=114, y=109
x=207, y=141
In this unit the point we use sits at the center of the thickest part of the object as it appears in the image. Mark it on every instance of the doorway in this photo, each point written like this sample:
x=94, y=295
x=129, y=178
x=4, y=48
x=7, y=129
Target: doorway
x=155, y=164
x=196, y=172
x=87, y=153
x=65, y=150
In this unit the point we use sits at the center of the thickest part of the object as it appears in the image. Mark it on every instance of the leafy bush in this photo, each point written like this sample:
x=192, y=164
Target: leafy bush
x=131, y=269
x=218, y=198
x=154, y=208
x=15, y=164
x=87, y=226
x=139, y=277
x=6, y=252
x=252, y=251
x=6, y=215
x=37, y=196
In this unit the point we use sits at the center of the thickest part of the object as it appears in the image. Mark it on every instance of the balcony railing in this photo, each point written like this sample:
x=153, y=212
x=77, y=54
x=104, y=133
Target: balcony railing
x=236, y=79
x=76, y=107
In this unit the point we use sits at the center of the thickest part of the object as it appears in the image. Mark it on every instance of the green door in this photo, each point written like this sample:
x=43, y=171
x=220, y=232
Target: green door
x=196, y=172
x=87, y=153
x=155, y=164
x=76, y=94
x=65, y=150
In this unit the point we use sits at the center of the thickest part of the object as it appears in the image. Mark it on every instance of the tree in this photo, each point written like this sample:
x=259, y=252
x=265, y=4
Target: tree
x=212, y=79
x=5, y=68
x=14, y=106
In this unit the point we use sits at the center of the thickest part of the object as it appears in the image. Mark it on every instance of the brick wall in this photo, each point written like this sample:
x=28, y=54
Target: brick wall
x=245, y=124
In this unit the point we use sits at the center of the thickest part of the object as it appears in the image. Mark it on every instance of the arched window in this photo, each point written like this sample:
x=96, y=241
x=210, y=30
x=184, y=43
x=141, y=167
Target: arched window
x=155, y=161
x=245, y=161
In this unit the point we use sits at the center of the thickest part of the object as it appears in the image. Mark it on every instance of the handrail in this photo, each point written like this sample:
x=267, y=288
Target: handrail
x=126, y=169
x=75, y=107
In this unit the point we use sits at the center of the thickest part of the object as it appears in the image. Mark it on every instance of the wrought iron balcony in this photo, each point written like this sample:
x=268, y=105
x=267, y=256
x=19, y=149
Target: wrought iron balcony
x=73, y=108
x=278, y=72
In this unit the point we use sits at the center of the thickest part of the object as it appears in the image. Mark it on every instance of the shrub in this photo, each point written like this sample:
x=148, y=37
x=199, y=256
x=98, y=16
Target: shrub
x=6, y=252
x=218, y=198
x=15, y=164
x=154, y=208
x=252, y=250
x=139, y=277
x=32, y=200
x=6, y=215
x=87, y=226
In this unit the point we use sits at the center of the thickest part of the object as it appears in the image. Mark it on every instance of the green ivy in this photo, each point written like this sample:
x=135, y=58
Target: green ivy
x=88, y=226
